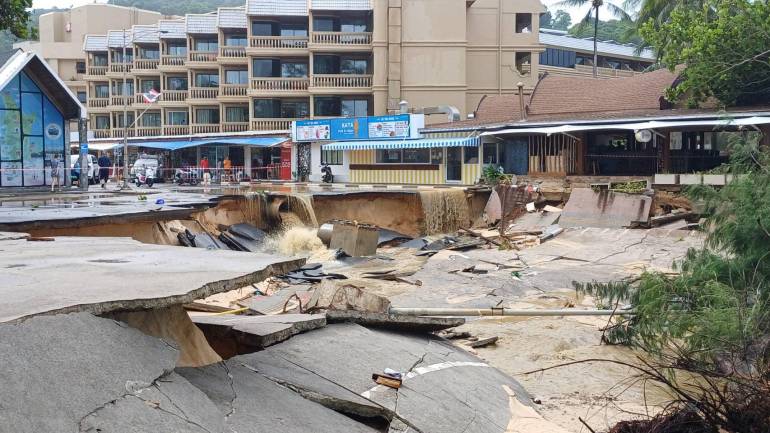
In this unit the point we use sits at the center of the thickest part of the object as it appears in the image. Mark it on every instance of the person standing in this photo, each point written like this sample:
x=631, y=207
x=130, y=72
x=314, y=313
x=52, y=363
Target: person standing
x=206, y=173
x=104, y=168
x=227, y=164
x=56, y=173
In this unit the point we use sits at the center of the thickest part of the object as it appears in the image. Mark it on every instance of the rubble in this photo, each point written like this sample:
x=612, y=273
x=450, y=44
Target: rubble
x=396, y=322
x=605, y=209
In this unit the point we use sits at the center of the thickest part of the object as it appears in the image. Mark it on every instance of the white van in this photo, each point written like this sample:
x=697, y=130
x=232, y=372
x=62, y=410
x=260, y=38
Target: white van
x=93, y=169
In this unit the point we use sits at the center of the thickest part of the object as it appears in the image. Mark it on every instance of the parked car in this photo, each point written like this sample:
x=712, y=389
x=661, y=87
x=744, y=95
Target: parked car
x=142, y=163
x=93, y=169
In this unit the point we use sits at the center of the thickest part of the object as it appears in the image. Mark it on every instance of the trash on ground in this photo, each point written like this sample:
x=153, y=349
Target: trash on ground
x=387, y=380
x=484, y=342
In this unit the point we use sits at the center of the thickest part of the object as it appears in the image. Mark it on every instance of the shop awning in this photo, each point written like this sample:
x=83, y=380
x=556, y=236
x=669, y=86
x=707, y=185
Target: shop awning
x=422, y=143
x=182, y=144
x=655, y=124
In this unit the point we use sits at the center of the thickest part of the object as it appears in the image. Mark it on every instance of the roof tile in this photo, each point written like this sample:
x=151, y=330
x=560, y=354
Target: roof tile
x=277, y=7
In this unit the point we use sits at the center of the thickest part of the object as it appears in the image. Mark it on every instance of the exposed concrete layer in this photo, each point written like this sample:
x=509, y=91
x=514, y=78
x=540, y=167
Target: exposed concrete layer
x=231, y=335
x=334, y=365
x=12, y=236
x=172, y=323
x=108, y=274
x=588, y=208
x=401, y=212
x=56, y=370
x=394, y=321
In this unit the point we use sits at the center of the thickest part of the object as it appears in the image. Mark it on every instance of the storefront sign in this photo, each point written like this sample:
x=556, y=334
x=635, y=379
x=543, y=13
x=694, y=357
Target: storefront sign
x=353, y=128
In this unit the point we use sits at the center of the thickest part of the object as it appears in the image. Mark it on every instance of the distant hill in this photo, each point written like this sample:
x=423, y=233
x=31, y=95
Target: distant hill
x=178, y=7
x=7, y=39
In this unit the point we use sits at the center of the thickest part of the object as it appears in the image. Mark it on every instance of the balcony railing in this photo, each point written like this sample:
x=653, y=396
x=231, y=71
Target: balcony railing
x=169, y=60
x=176, y=129
x=139, y=99
x=235, y=126
x=204, y=92
x=120, y=67
x=98, y=102
x=101, y=133
x=271, y=124
x=149, y=131
x=274, y=42
x=97, y=70
x=146, y=63
x=524, y=69
x=232, y=89
x=342, y=80
x=173, y=95
x=605, y=72
x=204, y=128
x=232, y=52
x=120, y=100
x=280, y=84
x=342, y=38
x=117, y=132
x=203, y=56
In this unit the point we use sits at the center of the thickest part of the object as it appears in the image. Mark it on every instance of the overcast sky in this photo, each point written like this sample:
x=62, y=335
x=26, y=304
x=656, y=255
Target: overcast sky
x=577, y=13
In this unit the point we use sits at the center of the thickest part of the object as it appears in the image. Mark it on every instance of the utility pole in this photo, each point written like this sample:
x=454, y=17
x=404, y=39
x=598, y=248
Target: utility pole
x=125, y=117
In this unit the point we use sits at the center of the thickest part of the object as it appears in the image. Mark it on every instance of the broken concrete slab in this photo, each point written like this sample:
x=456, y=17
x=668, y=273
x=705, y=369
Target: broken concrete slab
x=59, y=369
x=230, y=335
x=253, y=403
x=122, y=274
x=535, y=221
x=396, y=322
x=606, y=209
x=343, y=357
x=330, y=296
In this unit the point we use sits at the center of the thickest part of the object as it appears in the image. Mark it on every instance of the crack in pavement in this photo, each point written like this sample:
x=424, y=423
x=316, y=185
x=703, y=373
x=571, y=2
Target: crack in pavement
x=183, y=418
x=625, y=249
x=232, y=388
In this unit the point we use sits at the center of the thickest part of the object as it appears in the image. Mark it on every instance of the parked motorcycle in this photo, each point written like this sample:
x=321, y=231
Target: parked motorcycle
x=326, y=174
x=185, y=176
x=145, y=177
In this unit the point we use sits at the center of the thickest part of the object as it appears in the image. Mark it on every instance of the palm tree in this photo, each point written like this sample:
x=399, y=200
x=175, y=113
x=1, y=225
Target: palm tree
x=593, y=13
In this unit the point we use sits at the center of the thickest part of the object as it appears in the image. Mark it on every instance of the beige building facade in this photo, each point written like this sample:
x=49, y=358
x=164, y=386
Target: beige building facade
x=61, y=36
x=260, y=66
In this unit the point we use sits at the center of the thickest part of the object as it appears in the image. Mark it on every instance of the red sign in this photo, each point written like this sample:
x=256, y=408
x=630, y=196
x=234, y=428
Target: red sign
x=286, y=161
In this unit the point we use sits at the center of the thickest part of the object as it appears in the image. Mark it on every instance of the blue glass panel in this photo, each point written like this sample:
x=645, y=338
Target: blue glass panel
x=53, y=122
x=27, y=85
x=10, y=136
x=34, y=162
x=9, y=96
x=32, y=113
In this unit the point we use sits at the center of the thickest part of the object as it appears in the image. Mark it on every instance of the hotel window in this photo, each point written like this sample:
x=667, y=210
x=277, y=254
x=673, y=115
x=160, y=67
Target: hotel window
x=235, y=40
x=102, y=122
x=80, y=67
x=149, y=53
x=331, y=157
x=177, y=83
x=354, y=25
x=298, y=30
x=324, y=24
x=117, y=88
x=265, y=68
x=470, y=155
x=177, y=118
x=177, y=50
x=207, y=80
x=101, y=91
x=355, y=108
x=99, y=60
x=267, y=108
x=237, y=77
x=117, y=56
x=237, y=114
x=326, y=64
x=207, y=116
x=327, y=106
x=262, y=28
x=295, y=109
x=524, y=63
x=206, y=45
x=82, y=96
x=293, y=70
x=119, y=120
x=523, y=23
x=354, y=66
x=147, y=85
x=151, y=120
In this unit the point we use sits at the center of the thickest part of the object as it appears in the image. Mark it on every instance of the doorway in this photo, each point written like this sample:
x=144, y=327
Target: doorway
x=454, y=164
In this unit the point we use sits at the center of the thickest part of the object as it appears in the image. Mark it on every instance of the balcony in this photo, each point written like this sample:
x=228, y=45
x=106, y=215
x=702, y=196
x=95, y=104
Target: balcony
x=176, y=129
x=279, y=85
x=232, y=90
x=204, y=92
x=271, y=124
x=179, y=96
x=169, y=62
x=341, y=40
x=605, y=72
x=97, y=71
x=101, y=133
x=120, y=68
x=117, y=132
x=146, y=65
x=232, y=54
x=120, y=101
x=98, y=102
x=337, y=82
x=149, y=131
x=277, y=45
x=235, y=126
x=204, y=128
x=202, y=57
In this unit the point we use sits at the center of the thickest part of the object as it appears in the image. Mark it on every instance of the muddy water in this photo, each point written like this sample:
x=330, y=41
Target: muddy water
x=444, y=210
x=302, y=206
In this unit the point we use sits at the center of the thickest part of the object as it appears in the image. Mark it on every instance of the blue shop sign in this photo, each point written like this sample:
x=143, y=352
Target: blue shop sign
x=353, y=128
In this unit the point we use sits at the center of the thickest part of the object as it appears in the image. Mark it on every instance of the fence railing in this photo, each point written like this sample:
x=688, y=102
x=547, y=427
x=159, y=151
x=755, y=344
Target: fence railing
x=174, y=95
x=149, y=131
x=120, y=67
x=204, y=92
x=97, y=70
x=342, y=38
x=272, y=42
x=232, y=89
x=232, y=52
x=280, y=84
x=271, y=124
x=98, y=102
x=342, y=80
x=146, y=63
x=235, y=126
x=101, y=133
x=169, y=60
x=204, y=128
x=203, y=56
x=119, y=100
x=176, y=129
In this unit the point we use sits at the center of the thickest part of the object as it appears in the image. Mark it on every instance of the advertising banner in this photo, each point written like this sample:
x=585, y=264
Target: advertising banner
x=353, y=128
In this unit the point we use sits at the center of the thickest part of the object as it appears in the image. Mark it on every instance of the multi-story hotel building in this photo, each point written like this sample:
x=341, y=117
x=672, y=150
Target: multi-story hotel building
x=260, y=66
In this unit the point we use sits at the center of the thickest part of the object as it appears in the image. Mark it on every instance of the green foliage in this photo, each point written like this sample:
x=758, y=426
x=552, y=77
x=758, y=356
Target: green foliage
x=719, y=301
x=622, y=31
x=493, y=175
x=179, y=7
x=559, y=20
x=723, y=46
x=14, y=16
x=633, y=187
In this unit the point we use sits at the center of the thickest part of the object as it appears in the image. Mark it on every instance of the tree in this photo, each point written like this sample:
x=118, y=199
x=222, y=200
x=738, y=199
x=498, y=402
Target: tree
x=179, y=7
x=593, y=12
x=723, y=46
x=14, y=16
x=612, y=30
x=560, y=20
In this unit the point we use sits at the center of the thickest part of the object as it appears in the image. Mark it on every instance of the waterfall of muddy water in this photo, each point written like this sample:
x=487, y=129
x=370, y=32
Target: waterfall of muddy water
x=255, y=209
x=445, y=210
x=302, y=206
x=299, y=241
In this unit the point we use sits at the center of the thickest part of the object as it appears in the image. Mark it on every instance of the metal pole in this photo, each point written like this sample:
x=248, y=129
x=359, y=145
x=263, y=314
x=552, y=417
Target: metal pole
x=470, y=312
x=82, y=128
x=125, y=118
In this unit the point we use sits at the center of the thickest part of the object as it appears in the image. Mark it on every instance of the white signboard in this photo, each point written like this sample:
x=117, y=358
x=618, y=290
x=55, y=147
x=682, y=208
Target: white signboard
x=389, y=129
x=311, y=132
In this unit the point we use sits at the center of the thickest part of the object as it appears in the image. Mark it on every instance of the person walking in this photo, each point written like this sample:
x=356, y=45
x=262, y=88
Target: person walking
x=104, y=169
x=56, y=172
x=206, y=174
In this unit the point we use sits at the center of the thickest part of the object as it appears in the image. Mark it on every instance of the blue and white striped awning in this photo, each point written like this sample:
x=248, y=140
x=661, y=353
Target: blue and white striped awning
x=422, y=143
